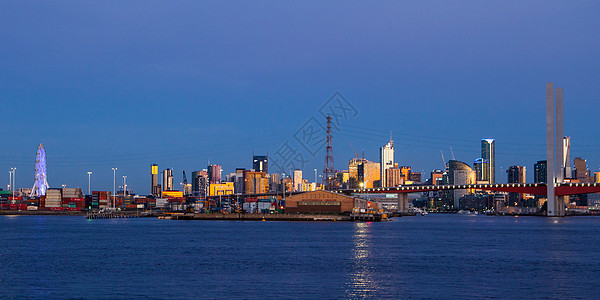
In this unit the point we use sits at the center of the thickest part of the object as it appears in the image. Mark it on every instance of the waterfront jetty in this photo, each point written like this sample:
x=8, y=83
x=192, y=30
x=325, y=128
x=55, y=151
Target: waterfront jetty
x=115, y=215
x=257, y=217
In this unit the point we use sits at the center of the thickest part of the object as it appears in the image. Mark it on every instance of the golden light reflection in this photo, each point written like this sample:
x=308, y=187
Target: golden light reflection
x=361, y=281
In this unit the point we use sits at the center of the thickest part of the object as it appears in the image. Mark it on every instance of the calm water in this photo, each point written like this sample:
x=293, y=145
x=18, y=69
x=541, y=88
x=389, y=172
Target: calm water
x=438, y=256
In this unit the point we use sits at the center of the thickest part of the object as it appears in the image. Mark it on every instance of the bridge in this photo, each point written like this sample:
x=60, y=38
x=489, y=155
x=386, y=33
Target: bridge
x=561, y=189
x=555, y=189
x=541, y=189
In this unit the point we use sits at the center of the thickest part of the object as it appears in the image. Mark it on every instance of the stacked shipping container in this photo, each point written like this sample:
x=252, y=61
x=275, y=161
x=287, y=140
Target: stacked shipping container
x=53, y=198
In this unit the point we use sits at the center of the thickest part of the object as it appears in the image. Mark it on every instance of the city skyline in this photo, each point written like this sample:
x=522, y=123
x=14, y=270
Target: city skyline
x=126, y=98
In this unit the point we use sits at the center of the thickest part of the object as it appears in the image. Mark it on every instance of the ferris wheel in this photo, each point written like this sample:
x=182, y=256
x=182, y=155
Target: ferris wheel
x=41, y=183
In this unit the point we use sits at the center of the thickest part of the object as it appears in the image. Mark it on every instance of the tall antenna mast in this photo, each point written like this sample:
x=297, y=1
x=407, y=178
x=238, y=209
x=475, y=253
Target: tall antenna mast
x=329, y=170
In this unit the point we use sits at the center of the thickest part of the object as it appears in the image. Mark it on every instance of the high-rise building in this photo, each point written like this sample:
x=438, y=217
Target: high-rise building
x=214, y=173
x=581, y=172
x=415, y=177
x=516, y=174
x=260, y=163
x=167, y=180
x=297, y=179
x=275, y=183
x=154, y=180
x=353, y=181
x=436, y=177
x=539, y=171
x=488, y=152
x=394, y=177
x=480, y=165
x=342, y=178
x=369, y=174
x=386, y=156
x=256, y=182
x=567, y=157
x=405, y=170
x=200, y=183
x=459, y=173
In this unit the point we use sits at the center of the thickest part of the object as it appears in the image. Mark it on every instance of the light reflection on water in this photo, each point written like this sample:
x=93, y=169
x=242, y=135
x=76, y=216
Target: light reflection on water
x=433, y=257
x=361, y=281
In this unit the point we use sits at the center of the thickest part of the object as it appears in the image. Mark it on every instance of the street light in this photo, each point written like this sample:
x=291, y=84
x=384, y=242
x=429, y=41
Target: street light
x=89, y=183
x=114, y=188
x=14, y=175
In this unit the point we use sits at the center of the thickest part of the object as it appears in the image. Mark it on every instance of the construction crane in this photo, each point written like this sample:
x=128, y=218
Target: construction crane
x=351, y=147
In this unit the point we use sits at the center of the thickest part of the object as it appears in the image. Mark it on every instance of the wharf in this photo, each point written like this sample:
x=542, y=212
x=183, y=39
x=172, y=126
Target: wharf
x=115, y=215
x=368, y=217
x=40, y=213
x=256, y=217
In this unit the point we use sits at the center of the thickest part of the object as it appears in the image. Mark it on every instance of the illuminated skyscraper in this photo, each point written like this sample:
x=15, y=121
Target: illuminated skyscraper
x=516, y=174
x=154, y=180
x=200, y=182
x=566, y=159
x=386, y=159
x=214, y=173
x=488, y=152
x=297, y=179
x=480, y=165
x=260, y=163
x=460, y=173
x=167, y=180
x=581, y=171
x=540, y=171
x=369, y=174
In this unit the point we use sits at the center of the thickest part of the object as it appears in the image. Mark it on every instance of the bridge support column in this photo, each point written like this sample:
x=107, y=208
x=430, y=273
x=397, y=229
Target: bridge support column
x=555, y=205
x=402, y=202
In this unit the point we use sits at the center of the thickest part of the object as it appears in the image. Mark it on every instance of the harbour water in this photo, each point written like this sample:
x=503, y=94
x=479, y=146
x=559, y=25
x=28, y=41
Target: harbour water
x=437, y=256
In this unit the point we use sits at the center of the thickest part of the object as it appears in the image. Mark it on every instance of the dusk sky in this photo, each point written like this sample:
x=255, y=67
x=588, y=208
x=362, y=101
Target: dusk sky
x=107, y=84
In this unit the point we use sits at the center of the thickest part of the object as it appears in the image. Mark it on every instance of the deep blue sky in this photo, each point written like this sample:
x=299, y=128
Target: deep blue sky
x=126, y=84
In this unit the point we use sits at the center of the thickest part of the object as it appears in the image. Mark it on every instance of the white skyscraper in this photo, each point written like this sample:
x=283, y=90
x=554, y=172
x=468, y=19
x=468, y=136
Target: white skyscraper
x=386, y=158
x=488, y=153
x=297, y=179
x=566, y=159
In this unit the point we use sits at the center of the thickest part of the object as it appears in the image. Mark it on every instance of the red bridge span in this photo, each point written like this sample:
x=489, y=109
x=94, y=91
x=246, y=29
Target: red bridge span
x=521, y=188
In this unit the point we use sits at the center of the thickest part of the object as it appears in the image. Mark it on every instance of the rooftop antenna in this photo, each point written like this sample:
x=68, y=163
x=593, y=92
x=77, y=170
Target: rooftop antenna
x=453, y=158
